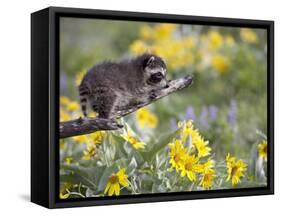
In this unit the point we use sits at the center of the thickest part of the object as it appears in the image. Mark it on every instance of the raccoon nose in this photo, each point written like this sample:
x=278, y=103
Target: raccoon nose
x=167, y=84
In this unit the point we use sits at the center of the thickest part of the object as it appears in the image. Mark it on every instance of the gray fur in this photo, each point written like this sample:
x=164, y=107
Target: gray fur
x=108, y=87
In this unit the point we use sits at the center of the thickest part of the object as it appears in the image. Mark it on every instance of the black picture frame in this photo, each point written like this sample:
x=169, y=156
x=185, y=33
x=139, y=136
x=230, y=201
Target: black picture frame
x=45, y=105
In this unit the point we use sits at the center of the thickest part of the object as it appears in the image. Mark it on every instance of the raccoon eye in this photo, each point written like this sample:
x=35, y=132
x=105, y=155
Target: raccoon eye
x=156, y=78
x=158, y=75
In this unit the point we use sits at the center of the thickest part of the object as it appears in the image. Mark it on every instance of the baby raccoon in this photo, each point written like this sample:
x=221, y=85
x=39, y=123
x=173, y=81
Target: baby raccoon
x=109, y=87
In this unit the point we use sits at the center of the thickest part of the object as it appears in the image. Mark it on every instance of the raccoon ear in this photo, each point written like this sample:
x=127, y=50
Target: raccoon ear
x=150, y=60
x=147, y=60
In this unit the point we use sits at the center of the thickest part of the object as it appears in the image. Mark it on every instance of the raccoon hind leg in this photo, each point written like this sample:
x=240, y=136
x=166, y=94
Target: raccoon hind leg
x=103, y=104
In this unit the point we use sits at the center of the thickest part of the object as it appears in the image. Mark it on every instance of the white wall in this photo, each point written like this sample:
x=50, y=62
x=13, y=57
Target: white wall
x=15, y=106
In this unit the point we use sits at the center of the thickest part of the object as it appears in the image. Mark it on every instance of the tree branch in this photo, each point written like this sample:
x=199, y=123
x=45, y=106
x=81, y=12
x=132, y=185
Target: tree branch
x=89, y=125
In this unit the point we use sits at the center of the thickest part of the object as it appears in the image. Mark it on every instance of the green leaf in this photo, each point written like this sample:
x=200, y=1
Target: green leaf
x=146, y=183
x=89, y=176
x=127, y=151
x=158, y=146
x=120, y=143
x=89, y=192
x=132, y=166
x=253, y=160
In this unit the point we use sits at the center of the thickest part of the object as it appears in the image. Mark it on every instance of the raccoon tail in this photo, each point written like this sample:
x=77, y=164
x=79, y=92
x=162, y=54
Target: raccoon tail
x=84, y=93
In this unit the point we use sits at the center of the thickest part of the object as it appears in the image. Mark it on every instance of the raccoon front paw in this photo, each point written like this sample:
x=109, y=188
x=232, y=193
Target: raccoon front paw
x=152, y=95
x=115, y=124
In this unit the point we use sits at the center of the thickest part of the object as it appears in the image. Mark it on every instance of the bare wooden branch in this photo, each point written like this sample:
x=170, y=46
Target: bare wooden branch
x=89, y=125
x=86, y=125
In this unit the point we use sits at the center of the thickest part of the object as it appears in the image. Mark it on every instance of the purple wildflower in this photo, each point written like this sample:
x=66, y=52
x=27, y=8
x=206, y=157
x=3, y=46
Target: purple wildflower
x=189, y=114
x=63, y=82
x=232, y=113
x=203, y=119
x=213, y=112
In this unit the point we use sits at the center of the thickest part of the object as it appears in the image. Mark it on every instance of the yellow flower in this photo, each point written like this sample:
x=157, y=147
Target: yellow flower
x=177, y=154
x=164, y=31
x=220, y=63
x=262, y=148
x=248, y=35
x=190, y=167
x=73, y=106
x=64, y=196
x=235, y=169
x=114, y=182
x=201, y=146
x=208, y=173
x=160, y=41
x=205, y=167
x=139, y=47
x=97, y=137
x=69, y=105
x=89, y=152
x=64, y=190
x=188, y=130
x=215, y=40
x=64, y=116
x=64, y=100
x=127, y=135
x=197, y=141
x=68, y=160
x=80, y=139
x=173, y=52
x=146, y=118
x=207, y=179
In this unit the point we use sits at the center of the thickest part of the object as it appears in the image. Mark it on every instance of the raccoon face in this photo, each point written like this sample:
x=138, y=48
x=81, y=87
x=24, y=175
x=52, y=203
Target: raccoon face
x=155, y=72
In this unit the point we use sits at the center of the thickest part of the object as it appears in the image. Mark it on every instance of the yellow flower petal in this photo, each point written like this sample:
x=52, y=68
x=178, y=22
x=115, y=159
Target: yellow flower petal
x=111, y=190
x=132, y=139
x=145, y=118
x=117, y=189
x=64, y=196
x=124, y=182
x=107, y=187
x=262, y=150
x=114, y=182
x=235, y=169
